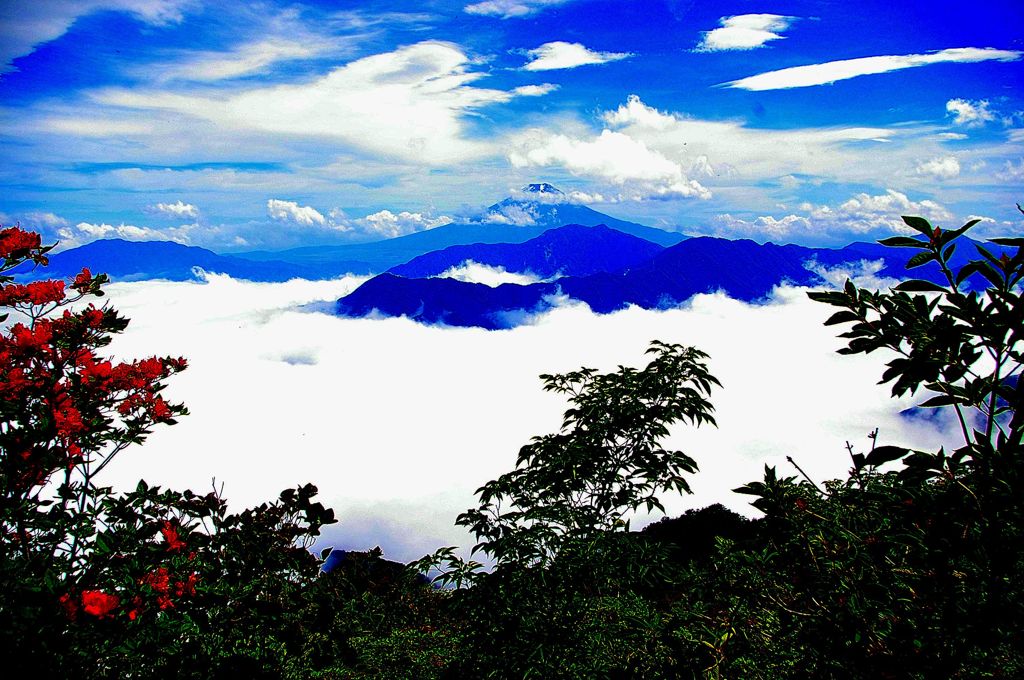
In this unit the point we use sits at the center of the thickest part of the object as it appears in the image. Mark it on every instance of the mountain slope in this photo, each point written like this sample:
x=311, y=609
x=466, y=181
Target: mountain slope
x=139, y=260
x=743, y=269
x=529, y=219
x=572, y=250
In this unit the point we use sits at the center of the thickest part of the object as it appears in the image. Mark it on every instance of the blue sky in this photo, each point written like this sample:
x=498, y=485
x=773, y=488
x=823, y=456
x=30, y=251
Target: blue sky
x=274, y=125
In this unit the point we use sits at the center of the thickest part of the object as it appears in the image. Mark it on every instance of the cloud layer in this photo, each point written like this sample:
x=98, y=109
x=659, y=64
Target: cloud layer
x=408, y=103
x=398, y=423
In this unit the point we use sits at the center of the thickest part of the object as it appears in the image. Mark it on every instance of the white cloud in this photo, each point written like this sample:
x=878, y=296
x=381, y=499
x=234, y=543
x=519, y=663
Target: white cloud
x=463, y=414
x=91, y=127
x=739, y=153
x=26, y=25
x=744, y=32
x=286, y=211
x=562, y=55
x=945, y=167
x=510, y=9
x=387, y=224
x=246, y=59
x=638, y=171
x=84, y=232
x=833, y=71
x=178, y=209
x=951, y=136
x=861, y=214
x=535, y=90
x=969, y=113
x=1012, y=172
x=474, y=272
x=524, y=215
x=407, y=104
x=35, y=220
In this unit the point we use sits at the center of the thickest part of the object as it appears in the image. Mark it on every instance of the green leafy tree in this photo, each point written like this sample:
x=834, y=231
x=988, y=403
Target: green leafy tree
x=605, y=462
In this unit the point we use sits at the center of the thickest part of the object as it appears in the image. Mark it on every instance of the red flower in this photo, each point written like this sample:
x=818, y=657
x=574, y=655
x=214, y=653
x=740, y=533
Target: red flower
x=83, y=281
x=42, y=292
x=15, y=242
x=160, y=409
x=187, y=587
x=158, y=580
x=69, y=605
x=171, y=536
x=99, y=603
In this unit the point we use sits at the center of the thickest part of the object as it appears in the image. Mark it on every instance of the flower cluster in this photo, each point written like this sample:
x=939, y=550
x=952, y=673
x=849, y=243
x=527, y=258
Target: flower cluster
x=36, y=293
x=17, y=244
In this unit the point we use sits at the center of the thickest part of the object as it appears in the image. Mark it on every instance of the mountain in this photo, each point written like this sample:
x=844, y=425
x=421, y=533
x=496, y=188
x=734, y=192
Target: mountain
x=513, y=220
x=572, y=250
x=140, y=260
x=743, y=269
x=546, y=206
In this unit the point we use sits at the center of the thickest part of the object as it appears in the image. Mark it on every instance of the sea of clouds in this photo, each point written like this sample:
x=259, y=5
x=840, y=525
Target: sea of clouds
x=398, y=423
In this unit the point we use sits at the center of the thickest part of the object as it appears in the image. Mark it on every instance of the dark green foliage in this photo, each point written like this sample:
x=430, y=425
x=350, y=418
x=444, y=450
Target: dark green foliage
x=571, y=486
x=911, y=567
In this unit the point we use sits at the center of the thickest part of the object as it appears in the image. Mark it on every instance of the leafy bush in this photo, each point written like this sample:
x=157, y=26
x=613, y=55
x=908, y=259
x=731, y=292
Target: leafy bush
x=910, y=567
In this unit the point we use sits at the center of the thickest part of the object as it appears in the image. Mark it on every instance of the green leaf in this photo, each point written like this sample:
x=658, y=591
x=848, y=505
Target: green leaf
x=1016, y=241
x=941, y=400
x=885, y=454
x=966, y=271
x=920, y=259
x=920, y=286
x=903, y=242
x=919, y=224
x=842, y=317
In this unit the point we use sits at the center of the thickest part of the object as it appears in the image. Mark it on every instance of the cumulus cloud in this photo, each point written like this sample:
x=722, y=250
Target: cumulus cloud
x=639, y=172
x=408, y=104
x=387, y=224
x=37, y=220
x=290, y=211
x=178, y=209
x=474, y=272
x=561, y=55
x=84, y=232
x=969, y=113
x=281, y=397
x=511, y=9
x=26, y=25
x=744, y=32
x=859, y=215
x=732, y=149
x=945, y=167
x=834, y=71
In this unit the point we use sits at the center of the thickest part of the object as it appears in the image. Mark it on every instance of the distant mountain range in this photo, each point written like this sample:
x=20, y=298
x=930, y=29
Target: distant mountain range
x=139, y=260
x=575, y=251
x=743, y=269
x=572, y=250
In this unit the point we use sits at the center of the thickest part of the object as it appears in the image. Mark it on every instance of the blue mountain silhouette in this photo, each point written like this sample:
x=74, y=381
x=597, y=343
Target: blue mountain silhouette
x=140, y=260
x=572, y=250
x=535, y=208
x=743, y=269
